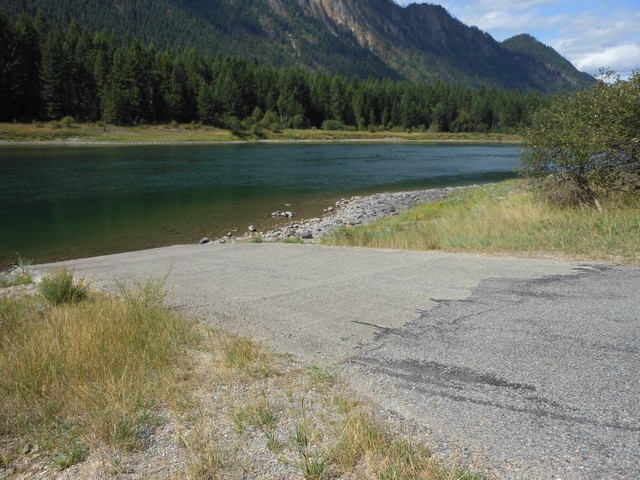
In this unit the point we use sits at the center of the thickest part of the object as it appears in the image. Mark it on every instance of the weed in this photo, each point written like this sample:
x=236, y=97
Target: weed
x=345, y=404
x=247, y=356
x=209, y=464
x=59, y=287
x=273, y=443
x=240, y=420
x=313, y=465
x=263, y=417
x=294, y=240
x=257, y=414
x=21, y=275
x=323, y=375
x=71, y=454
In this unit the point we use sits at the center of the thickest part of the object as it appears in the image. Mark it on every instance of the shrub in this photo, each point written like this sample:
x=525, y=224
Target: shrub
x=332, y=125
x=67, y=121
x=587, y=143
x=59, y=287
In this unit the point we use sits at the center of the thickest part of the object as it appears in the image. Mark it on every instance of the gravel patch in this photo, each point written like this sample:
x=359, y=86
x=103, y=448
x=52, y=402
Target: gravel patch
x=349, y=212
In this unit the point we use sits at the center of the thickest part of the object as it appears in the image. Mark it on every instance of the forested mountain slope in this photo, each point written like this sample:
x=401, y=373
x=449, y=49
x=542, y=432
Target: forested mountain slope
x=352, y=37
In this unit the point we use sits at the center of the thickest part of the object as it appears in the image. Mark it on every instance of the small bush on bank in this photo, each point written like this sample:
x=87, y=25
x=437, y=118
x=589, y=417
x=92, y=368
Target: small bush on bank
x=332, y=125
x=59, y=288
x=67, y=121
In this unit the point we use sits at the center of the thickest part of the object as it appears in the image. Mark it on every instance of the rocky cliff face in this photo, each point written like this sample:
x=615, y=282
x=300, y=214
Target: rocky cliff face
x=419, y=42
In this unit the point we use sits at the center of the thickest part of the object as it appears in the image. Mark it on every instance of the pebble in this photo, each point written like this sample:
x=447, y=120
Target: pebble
x=357, y=210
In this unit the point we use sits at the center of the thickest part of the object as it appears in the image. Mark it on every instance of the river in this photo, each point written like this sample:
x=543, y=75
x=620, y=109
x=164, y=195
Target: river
x=62, y=202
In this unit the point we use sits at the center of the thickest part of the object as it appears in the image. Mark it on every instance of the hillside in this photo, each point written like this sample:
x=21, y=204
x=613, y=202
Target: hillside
x=352, y=37
x=528, y=48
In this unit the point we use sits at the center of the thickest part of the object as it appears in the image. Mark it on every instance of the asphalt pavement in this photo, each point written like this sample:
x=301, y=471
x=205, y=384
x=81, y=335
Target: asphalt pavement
x=530, y=366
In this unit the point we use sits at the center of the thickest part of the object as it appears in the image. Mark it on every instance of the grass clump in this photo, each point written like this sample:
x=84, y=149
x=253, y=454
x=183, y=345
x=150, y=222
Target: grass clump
x=246, y=356
x=59, y=287
x=76, y=374
x=508, y=218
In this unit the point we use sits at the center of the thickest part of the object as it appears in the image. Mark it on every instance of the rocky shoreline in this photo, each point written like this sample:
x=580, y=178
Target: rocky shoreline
x=358, y=210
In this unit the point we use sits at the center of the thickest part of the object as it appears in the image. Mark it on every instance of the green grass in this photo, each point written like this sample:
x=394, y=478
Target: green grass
x=507, y=218
x=56, y=131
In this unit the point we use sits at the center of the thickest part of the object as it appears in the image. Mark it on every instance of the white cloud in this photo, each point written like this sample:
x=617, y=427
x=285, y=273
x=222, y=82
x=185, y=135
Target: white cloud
x=625, y=57
x=590, y=34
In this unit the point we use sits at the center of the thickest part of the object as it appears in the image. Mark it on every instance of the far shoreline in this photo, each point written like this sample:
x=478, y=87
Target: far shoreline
x=95, y=135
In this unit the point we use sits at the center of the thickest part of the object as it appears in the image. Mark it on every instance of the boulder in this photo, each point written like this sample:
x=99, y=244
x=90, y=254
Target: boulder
x=205, y=240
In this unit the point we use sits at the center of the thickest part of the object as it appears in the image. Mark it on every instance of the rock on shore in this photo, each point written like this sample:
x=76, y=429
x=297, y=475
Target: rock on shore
x=358, y=210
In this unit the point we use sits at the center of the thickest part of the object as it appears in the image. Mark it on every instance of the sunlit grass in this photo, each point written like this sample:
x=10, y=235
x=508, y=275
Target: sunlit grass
x=76, y=377
x=186, y=133
x=100, y=133
x=75, y=374
x=508, y=219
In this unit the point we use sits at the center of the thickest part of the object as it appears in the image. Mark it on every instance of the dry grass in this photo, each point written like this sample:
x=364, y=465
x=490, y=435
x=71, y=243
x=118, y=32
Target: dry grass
x=324, y=135
x=92, y=132
x=508, y=219
x=81, y=378
x=78, y=374
x=303, y=418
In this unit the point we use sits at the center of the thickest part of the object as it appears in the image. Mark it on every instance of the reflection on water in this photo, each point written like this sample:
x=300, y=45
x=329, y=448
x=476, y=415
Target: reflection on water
x=67, y=202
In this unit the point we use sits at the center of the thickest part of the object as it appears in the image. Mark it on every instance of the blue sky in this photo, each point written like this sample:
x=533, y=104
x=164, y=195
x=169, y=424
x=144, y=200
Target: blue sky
x=590, y=34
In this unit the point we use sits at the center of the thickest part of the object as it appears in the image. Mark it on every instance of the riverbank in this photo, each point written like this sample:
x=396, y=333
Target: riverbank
x=347, y=212
x=53, y=133
x=507, y=218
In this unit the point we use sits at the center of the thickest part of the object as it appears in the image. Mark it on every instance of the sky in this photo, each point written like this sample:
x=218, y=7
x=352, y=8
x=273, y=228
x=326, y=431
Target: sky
x=590, y=34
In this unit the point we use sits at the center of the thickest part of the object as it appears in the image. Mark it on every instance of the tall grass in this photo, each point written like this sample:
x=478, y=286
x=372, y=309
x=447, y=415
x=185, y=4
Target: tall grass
x=79, y=373
x=506, y=218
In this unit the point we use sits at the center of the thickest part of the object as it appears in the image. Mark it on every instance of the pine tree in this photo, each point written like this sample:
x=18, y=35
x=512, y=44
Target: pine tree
x=54, y=74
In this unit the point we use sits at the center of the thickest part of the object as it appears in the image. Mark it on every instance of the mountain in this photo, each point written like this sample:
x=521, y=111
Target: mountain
x=529, y=49
x=419, y=42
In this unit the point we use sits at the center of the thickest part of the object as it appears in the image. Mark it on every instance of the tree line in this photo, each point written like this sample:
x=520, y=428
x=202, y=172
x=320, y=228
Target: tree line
x=48, y=72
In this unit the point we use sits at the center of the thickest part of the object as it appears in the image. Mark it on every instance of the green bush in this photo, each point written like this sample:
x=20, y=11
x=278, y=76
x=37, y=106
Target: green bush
x=59, y=287
x=67, y=121
x=332, y=125
x=586, y=145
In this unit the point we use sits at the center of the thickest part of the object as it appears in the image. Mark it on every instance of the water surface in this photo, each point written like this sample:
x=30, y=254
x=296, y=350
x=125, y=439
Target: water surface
x=61, y=202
